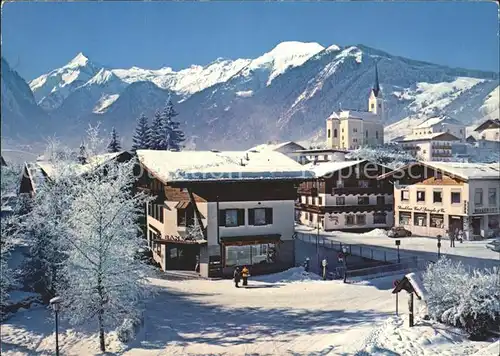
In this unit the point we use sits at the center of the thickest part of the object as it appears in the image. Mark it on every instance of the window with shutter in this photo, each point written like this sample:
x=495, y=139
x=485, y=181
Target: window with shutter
x=269, y=216
x=241, y=217
x=222, y=218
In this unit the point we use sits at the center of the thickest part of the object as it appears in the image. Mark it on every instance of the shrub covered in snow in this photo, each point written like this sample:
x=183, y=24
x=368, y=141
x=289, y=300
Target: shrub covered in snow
x=470, y=299
x=128, y=329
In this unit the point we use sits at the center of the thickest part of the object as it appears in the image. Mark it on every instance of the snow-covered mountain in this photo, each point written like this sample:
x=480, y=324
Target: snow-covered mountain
x=283, y=94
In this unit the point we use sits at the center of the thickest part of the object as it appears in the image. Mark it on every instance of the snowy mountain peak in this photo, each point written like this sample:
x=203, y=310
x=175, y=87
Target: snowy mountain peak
x=80, y=60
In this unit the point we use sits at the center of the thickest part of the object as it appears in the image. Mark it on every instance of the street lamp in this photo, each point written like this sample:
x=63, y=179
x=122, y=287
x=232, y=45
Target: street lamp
x=55, y=303
x=439, y=246
x=344, y=250
x=398, y=242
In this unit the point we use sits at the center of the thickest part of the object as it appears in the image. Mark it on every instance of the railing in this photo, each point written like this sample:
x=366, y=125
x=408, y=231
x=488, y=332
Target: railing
x=308, y=191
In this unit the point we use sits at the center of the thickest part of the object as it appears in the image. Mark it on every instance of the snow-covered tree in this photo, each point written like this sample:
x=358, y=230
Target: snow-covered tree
x=106, y=280
x=7, y=275
x=456, y=296
x=45, y=227
x=157, y=133
x=114, y=143
x=173, y=135
x=388, y=155
x=141, y=139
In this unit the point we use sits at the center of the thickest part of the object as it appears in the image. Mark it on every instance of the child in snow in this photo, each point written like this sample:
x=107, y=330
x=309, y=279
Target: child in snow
x=237, y=277
x=244, y=275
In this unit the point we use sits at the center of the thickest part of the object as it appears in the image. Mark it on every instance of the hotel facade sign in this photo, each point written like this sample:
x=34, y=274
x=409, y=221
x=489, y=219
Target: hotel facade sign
x=421, y=209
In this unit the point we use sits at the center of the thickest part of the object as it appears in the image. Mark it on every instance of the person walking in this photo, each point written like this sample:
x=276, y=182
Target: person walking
x=461, y=235
x=244, y=275
x=237, y=277
x=324, y=265
x=452, y=239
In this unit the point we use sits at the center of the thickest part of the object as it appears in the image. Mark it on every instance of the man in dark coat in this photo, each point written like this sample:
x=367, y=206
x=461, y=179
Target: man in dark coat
x=237, y=277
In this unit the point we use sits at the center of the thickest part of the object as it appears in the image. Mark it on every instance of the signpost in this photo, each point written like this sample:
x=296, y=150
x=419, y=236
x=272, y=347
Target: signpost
x=395, y=284
x=439, y=246
x=398, y=242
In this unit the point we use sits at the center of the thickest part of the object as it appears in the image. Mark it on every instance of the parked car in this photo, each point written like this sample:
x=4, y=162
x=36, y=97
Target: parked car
x=398, y=231
x=494, y=245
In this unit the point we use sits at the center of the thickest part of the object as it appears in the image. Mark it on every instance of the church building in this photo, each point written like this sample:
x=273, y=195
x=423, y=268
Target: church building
x=351, y=129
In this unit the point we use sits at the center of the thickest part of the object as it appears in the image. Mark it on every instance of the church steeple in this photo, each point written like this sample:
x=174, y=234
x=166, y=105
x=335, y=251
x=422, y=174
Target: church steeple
x=376, y=86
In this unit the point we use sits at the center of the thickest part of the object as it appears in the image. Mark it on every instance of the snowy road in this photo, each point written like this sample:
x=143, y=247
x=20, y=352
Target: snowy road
x=272, y=317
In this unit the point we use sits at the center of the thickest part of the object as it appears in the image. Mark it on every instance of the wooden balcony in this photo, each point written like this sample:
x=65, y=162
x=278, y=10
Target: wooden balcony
x=308, y=191
x=362, y=191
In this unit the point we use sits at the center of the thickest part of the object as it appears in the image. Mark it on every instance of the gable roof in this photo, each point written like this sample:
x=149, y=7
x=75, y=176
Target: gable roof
x=438, y=120
x=465, y=171
x=443, y=136
x=325, y=168
x=204, y=166
x=277, y=146
x=488, y=124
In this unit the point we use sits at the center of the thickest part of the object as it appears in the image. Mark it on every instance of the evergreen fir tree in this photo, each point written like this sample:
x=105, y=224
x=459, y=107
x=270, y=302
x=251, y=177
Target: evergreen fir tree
x=173, y=135
x=82, y=155
x=114, y=144
x=142, y=134
x=157, y=133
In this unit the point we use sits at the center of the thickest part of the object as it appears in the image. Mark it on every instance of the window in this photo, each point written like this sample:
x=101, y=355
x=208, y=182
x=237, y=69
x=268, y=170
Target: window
x=455, y=197
x=405, y=195
x=420, y=219
x=340, y=183
x=311, y=217
x=492, y=196
x=334, y=132
x=329, y=133
x=437, y=220
x=155, y=211
x=376, y=134
x=461, y=131
x=379, y=106
x=404, y=218
x=349, y=220
x=361, y=219
x=380, y=200
x=363, y=200
x=478, y=197
x=437, y=196
x=363, y=183
x=420, y=195
x=340, y=201
x=366, y=134
x=379, y=218
x=320, y=201
x=250, y=254
x=260, y=216
x=373, y=106
x=232, y=217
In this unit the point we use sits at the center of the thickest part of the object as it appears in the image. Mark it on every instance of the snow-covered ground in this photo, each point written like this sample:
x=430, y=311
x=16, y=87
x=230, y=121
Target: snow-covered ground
x=288, y=313
x=472, y=253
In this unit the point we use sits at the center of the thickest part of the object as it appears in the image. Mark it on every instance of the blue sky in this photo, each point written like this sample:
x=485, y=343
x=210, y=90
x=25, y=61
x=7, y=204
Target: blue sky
x=38, y=37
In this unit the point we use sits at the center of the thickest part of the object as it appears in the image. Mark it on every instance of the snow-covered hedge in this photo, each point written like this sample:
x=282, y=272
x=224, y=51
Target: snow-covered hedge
x=470, y=299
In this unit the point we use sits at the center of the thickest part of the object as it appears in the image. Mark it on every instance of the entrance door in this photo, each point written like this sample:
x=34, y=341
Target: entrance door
x=182, y=256
x=476, y=226
x=455, y=223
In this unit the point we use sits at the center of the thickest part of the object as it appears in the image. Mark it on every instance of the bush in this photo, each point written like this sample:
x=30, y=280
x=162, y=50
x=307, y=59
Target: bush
x=467, y=299
x=128, y=330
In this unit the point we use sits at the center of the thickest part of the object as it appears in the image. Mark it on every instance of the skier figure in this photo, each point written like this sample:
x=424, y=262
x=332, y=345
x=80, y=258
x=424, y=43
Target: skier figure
x=237, y=277
x=244, y=275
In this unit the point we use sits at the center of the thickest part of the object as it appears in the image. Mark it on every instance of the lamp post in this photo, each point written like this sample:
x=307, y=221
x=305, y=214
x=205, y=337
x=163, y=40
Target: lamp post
x=317, y=238
x=55, y=303
x=439, y=246
x=398, y=242
x=344, y=251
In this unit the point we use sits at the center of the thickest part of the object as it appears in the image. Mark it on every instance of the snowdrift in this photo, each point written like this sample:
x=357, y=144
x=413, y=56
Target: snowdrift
x=295, y=274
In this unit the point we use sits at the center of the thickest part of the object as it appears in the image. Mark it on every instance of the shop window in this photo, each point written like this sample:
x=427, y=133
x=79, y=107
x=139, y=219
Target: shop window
x=361, y=219
x=349, y=220
x=478, y=197
x=437, y=220
x=363, y=200
x=492, y=196
x=379, y=218
x=420, y=219
x=250, y=254
x=493, y=222
x=455, y=198
x=437, y=196
x=420, y=195
x=404, y=218
x=340, y=201
x=232, y=217
x=405, y=195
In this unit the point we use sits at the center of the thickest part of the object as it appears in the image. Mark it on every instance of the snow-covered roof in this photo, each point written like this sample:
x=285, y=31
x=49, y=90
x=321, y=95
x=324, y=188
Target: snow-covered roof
x=443, y=136
x=488, y=124
x=92, y=163
x=273, y=146
x=438, y=120
x=325, y=168
x=358, y=114
x=466, y=171
x=170, y=166
x=418, y=285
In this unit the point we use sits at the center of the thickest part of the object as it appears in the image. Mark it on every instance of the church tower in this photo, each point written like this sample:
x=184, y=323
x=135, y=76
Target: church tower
x=376, y=100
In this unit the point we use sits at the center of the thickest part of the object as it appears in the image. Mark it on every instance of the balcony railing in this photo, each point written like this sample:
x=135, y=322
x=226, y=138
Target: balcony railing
x=308, y=191
x=362, y=190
